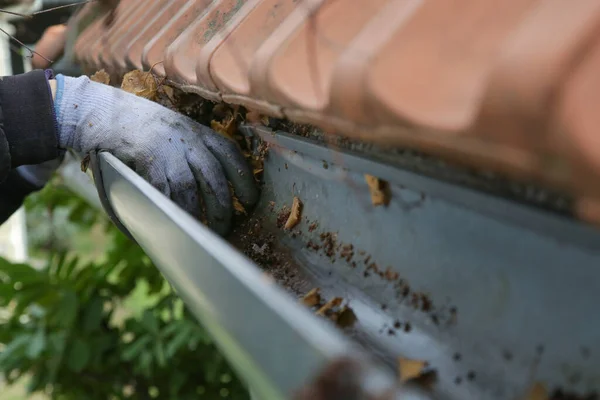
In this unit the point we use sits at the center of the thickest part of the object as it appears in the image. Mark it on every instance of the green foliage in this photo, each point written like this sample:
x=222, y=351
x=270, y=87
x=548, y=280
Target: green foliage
x=70, y=327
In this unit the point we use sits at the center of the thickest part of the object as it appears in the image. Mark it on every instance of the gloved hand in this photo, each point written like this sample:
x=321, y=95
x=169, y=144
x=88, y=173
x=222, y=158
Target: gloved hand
x=186, y=161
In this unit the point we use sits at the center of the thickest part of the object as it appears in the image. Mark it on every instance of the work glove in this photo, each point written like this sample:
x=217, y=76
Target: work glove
x=186, y=161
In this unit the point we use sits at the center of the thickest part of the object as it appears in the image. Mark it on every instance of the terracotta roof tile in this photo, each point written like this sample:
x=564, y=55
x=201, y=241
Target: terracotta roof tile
x=182, y=56
x=134, y=50
x=433, y=70
x=105, y=35
x=108, y=46
x=231, y=62
x=115, y=58
x=155, y=50
x=506, y=85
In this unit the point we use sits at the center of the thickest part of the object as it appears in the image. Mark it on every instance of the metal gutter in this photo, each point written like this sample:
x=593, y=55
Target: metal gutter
x=276, y=345
x=498, y=264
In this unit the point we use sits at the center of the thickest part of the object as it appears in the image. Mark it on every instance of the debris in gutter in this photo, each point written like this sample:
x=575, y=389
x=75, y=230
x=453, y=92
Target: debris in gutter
x=295, y=214
x=237, y=205
x=346, y=317
x=409, y=369
x=140, y=83
x=101, y=77
x=312, y=298
x=282, y=216
x=168, y=90
x=331, y=304
x=380, y=195
x=227, y=127
x=85, y=163
x=537, y=392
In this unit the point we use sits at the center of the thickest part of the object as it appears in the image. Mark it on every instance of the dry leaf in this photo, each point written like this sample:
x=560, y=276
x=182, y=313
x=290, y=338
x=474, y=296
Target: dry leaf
x=101, y=77
x=335, y=302
x=379, y=190
x=168, y=90
x=346, y=317
x=257, y=171
x=237, y=205
x=537, y=392
x=312, y=298
x=140, y=83
x=85, y=163
x=294, y=217
x=391, y=275
x=225, y=128
x=409, y=369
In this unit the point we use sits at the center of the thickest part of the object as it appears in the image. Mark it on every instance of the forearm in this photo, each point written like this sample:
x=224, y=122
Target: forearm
x=28, y=134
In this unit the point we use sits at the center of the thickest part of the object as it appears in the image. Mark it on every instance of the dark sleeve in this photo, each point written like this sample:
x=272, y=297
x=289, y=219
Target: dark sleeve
x=28, y=134
x=28, y=131
x=13, y=191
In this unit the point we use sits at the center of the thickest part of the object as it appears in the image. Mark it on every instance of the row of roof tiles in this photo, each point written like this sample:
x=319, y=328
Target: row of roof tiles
x=505, y=85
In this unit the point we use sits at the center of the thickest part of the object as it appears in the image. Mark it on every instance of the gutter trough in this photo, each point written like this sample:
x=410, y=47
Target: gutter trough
x=492, y=296
x=276, y=349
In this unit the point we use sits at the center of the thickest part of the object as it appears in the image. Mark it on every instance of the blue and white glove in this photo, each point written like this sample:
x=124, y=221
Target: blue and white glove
x=186, y=161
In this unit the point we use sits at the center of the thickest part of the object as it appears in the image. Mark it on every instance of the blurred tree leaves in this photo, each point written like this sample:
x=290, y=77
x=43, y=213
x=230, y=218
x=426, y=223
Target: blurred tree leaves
x=68, y=323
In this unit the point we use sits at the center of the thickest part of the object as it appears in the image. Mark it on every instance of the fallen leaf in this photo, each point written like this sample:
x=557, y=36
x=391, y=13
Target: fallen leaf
x=237, y=205
x=168, y=90
x=335, y=302
x=391, y=275
x=85, y=163
x=294, y=217
x=226, y=128
x=346, y=317
x=140, y=83
x=101, y=77
x=409, y=369
x=312, y=298
x=537, y=392
x=257, y=171
x=379, y=190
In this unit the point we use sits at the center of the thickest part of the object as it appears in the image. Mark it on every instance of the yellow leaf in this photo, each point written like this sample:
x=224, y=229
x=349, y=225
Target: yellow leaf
x=379, y=190
x=169, y=92
x=335, y=302
x=294, y=217
x=409, y=369
x=140, y=83
x=237, y=205
x=101, y=77
x=312, y=298
x=225, y=128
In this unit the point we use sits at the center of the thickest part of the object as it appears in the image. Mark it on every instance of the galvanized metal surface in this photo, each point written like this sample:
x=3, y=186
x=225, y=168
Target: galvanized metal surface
x=512, y=291
x=275, y=344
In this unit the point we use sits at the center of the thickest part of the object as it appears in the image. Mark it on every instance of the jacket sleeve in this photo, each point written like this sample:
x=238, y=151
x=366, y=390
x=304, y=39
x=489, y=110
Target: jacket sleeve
x=13, y=191
x=28, y=133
